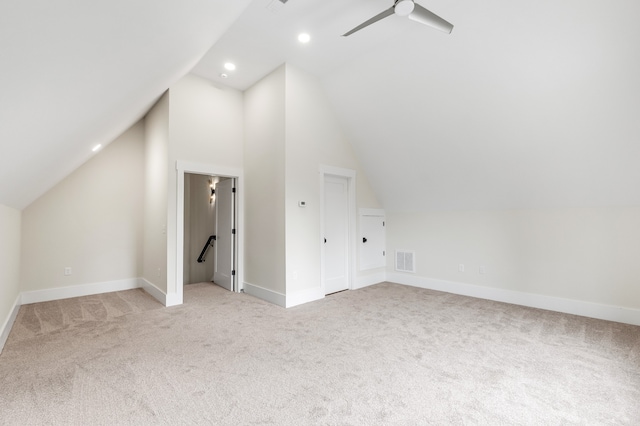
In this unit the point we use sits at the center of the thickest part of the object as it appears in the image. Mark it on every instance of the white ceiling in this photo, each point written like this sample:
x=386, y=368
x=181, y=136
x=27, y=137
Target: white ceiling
x=261, y=39
x=74, y=73
x=525, y=104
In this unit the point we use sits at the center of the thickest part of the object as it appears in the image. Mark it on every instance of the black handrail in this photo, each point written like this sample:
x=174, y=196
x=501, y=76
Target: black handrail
x=206, y=246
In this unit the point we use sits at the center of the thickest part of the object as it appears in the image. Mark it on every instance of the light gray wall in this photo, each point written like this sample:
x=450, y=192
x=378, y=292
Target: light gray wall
x=156, y=183
x=264, y=114
x=91, y=221
x=313, y=138
x=290, y=132
x=205, y=123
x=205, y=127
x=10, y=226
x=583, y=254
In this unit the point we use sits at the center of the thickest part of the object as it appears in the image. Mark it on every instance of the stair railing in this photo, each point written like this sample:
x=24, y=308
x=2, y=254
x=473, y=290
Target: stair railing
x=208, y=244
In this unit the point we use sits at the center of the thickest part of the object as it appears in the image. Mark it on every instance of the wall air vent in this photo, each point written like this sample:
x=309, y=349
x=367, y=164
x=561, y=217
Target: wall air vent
x=405, y=261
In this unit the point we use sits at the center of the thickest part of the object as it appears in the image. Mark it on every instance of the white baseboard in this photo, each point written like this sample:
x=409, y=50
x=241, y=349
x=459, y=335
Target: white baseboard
x=153, y=291
x=304, y=296
x=265, y=294
x=6, y=327
x=371, y=279
x=37, y=296
x=557, y=304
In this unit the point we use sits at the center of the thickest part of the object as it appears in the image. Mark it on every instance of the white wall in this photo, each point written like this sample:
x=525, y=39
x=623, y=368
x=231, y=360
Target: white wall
x=313, y=137
x=205, y=127
x=114, y=217
x=290, y=131
x=91, y=221
x=156, y=183
x=206, y=123
x=10, y=226
x=264, y=157
x=582, y=254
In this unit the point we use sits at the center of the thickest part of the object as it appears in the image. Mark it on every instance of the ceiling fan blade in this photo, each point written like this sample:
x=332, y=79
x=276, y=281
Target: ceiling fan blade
x=376, y=18
x=422, y=15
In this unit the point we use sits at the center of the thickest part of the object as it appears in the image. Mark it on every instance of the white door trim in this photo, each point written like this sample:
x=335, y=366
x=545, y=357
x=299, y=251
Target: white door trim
x=183, y=167
x=350, y=175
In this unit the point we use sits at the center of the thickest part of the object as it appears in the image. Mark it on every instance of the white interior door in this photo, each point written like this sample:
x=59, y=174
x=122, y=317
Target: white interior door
x=372, y=241
x=225, y=242
x=336, y=230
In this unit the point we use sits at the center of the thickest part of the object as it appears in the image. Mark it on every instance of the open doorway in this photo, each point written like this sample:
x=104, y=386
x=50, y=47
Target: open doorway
x=176, y=279
x=209, y=230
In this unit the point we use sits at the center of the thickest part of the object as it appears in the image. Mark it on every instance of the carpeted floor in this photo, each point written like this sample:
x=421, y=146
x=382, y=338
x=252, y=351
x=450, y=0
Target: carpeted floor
x=386, y=354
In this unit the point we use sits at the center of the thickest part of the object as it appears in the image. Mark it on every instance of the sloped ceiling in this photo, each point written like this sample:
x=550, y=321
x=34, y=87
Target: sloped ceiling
x=524, y=105
x=77, y=73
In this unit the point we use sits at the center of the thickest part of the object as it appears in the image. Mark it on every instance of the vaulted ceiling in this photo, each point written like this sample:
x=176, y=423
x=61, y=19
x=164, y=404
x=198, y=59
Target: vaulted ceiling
x=77, y=73
x=524, y=105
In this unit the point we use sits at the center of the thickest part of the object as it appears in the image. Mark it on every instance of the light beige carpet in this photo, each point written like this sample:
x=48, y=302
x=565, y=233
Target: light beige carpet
x=386, y=354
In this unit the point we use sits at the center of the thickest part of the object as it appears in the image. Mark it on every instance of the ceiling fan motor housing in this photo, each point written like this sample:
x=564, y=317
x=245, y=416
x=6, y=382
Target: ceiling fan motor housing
x=411, y=10
x=403, y=7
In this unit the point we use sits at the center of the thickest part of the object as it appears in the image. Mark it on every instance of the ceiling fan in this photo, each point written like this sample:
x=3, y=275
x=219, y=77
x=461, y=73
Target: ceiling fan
x=413, y=11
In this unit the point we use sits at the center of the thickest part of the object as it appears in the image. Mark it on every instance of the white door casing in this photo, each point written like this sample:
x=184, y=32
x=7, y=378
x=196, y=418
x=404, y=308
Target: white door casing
x=174, y=294
x=223, y=274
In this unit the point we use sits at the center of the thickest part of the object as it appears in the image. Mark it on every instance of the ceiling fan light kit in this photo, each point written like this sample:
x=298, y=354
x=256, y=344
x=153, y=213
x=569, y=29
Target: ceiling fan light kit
x=413, y=11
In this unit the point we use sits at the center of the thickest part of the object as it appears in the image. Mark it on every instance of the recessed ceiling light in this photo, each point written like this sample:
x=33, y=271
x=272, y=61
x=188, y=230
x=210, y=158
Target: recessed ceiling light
x=97, y=147
x=229, y=66
x=304, y=38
